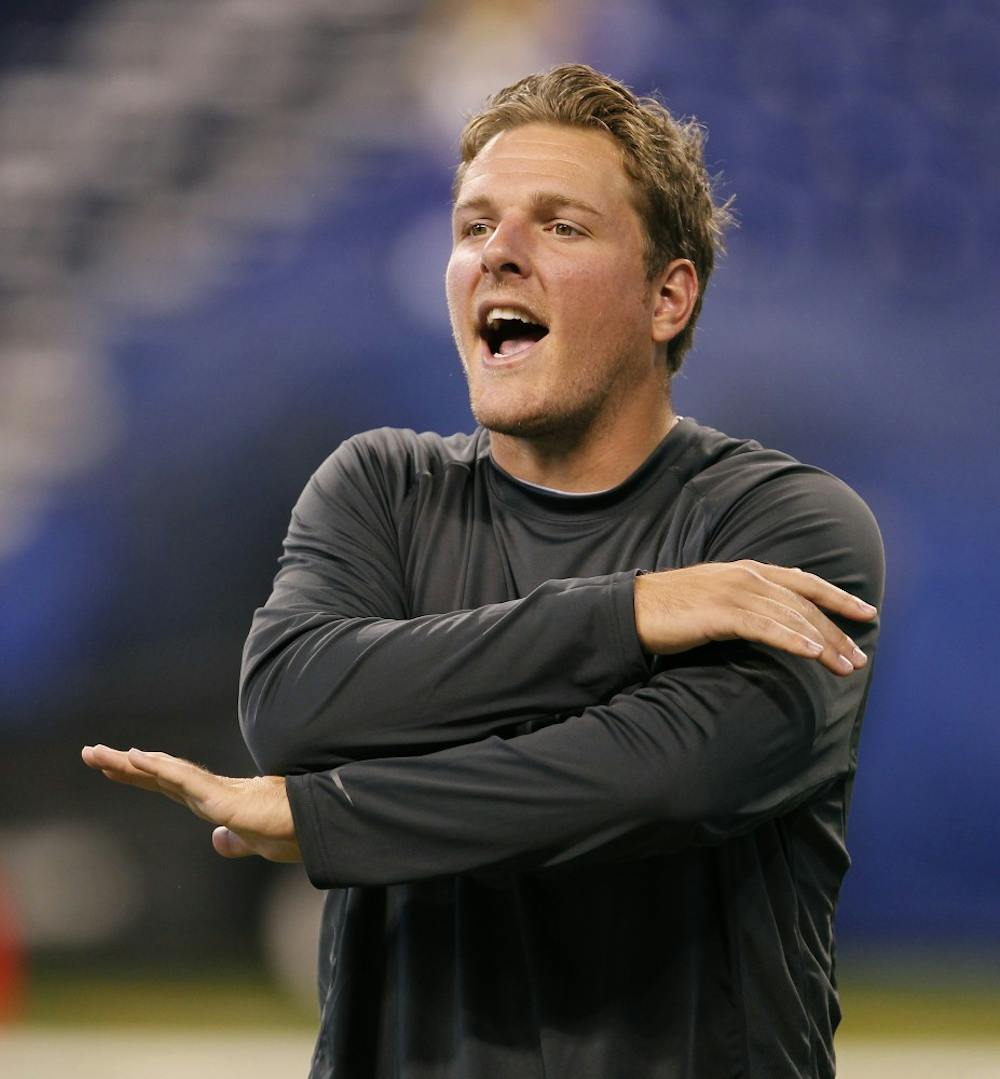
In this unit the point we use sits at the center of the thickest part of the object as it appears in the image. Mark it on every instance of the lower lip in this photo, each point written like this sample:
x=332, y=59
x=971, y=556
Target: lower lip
x=506, y=363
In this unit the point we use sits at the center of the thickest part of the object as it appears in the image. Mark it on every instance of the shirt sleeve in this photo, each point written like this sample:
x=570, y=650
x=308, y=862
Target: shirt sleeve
x=717, y=740
x=327, y=655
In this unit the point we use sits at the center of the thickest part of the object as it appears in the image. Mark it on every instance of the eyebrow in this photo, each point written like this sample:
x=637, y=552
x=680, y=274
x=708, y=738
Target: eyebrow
x=540, y=200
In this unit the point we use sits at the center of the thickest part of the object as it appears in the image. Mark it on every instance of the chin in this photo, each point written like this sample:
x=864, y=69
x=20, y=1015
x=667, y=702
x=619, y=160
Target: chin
x=516, y=426
x=534, y=424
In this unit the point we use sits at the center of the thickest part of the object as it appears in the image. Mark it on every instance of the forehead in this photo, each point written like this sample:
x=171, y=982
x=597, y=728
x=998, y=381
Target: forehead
x=571, y=160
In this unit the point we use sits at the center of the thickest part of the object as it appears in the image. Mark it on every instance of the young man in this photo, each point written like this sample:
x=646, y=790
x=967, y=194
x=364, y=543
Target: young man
x=571, y=744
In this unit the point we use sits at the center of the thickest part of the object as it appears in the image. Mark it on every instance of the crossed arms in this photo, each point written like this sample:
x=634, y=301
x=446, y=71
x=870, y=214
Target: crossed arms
x=675, y=611
x=396, y=779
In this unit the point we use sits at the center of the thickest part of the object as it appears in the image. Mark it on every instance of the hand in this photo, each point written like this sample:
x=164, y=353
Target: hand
x=719, y=601
x=254, y=814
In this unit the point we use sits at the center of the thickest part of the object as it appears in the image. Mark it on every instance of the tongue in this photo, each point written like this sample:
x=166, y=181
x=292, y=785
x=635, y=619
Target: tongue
x=512, y=345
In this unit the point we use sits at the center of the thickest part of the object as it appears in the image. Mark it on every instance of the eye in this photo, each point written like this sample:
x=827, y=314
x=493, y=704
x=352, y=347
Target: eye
x=563, y=228
x=476, y=228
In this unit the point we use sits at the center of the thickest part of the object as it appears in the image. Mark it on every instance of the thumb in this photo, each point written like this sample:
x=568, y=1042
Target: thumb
x=230, y=845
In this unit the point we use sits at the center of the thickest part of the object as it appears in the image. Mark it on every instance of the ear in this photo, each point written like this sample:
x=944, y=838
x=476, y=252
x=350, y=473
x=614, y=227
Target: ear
x=676, y=294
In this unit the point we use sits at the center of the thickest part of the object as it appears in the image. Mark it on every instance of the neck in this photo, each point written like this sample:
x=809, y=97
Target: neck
x=595, y=460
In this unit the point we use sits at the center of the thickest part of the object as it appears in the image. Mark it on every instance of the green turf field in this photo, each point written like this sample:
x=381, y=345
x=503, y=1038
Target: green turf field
x=876, y=1005
x=111, y=1023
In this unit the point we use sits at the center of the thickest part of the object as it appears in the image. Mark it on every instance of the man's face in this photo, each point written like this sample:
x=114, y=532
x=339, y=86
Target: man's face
x=545, y=229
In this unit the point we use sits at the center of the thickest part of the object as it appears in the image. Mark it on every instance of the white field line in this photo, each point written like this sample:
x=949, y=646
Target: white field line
x=42, y=1053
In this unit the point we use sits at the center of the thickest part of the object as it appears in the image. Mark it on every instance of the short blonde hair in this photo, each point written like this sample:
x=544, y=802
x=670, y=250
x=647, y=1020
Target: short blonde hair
x=664, y=158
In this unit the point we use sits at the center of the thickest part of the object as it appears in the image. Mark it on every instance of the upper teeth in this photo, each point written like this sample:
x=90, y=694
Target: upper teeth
x=495, y=315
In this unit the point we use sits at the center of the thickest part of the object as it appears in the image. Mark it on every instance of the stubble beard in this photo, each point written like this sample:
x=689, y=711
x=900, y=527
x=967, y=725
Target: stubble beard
x=565, y=424
x=559, y=423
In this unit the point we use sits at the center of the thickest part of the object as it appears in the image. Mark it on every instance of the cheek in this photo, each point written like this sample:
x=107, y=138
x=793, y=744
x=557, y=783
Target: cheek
x=460, y=270
x=599, y=304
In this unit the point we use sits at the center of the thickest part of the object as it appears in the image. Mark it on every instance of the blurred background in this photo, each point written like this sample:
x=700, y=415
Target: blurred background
x=223, y=232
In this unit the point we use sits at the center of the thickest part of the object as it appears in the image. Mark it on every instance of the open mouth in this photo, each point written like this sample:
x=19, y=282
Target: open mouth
x=508, y=331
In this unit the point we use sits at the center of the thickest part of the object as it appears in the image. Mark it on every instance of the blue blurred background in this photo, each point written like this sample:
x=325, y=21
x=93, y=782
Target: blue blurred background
x=223, y=231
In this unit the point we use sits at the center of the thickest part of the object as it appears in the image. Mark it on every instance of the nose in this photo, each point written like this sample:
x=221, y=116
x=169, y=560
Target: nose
x=505, y=253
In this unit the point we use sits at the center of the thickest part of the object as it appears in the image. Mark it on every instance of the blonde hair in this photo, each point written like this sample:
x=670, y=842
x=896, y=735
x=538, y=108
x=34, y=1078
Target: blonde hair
x=664, y=158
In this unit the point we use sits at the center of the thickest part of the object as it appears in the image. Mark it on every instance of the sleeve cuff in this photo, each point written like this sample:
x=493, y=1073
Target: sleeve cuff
x=309, y=832
x=635, y=661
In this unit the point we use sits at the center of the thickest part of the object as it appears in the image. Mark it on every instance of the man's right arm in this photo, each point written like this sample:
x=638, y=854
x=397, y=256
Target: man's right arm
x=335, y=670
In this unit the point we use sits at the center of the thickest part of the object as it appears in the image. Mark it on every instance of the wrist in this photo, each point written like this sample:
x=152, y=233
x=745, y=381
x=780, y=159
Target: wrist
x=640, y=585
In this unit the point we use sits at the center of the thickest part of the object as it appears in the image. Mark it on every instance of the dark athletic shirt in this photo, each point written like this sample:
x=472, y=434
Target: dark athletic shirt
x=550, y=855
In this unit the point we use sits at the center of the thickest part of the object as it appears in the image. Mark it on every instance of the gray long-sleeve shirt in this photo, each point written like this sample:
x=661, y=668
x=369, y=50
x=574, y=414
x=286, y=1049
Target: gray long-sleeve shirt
x=552, y=855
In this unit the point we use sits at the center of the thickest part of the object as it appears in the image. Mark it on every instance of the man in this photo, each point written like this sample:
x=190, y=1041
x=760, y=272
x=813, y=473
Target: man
x=570, y=744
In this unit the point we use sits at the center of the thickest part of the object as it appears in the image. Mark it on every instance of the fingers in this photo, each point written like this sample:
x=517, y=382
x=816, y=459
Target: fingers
x=834, y=648
x=782, y=631
x=230, y=845
x=817, y=591
x=172, y=773
x=115, y=765
x=178, y=779
x=750, y=625
x=233, y=844
x=798, y=596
